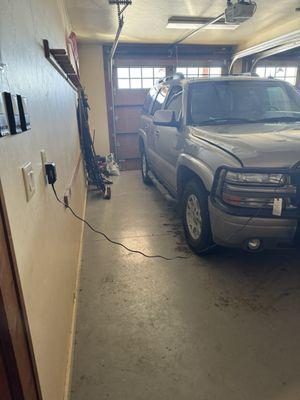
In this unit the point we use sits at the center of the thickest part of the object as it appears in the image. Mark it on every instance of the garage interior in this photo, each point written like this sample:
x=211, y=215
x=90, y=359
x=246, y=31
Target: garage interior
x=82, y=317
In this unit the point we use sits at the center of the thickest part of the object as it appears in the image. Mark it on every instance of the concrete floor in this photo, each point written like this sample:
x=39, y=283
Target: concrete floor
x=225, y=327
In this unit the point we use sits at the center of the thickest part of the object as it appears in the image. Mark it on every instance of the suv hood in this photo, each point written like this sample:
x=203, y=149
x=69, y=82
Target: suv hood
x=256, y=145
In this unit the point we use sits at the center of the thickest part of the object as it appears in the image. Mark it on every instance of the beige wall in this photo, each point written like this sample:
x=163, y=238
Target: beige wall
x=92, y=78
x=46, y=238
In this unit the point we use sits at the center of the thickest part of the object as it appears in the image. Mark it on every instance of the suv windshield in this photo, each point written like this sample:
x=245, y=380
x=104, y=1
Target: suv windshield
x=242, y=101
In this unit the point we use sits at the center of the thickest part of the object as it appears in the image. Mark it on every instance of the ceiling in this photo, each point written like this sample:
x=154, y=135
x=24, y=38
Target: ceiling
x=145, y=20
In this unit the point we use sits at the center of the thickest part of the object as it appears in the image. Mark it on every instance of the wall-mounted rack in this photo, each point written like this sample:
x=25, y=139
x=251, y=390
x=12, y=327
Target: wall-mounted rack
x=60, y=60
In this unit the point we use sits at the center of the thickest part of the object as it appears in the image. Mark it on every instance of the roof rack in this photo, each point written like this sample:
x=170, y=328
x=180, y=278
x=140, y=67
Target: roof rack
x=177, y=76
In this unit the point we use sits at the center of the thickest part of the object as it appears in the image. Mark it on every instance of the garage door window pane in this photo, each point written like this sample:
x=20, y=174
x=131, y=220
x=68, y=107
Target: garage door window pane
x=288, y=74
x=147, y=83
x=291, y=71
x=123, y=72
x=135, y=73
x=261, y=72
x=280, y=73
x=193, y=72
x=136, y=83
x=147, y=72
x=215, y=72
x=181, y=71
x=139, y=77
x=159, y=72
x=123, y=84
x=270, y=72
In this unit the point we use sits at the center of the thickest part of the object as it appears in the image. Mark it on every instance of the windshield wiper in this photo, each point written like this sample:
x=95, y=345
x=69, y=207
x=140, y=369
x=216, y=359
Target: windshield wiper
x=279, y=119
x=221, y=121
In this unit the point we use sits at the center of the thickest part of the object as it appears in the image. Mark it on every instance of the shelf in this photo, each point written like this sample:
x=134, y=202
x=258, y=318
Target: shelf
x=60, y=60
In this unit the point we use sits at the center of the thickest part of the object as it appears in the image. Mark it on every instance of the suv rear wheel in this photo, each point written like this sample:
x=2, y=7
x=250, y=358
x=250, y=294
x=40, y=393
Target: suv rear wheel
x=195, y=217
x=145, y=168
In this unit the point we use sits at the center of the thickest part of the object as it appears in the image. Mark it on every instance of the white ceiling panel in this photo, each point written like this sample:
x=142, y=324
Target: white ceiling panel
x=146, y=20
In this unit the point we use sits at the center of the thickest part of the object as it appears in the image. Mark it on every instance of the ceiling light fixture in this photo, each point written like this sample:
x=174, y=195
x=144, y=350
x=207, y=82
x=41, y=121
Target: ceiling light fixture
x=195, y=23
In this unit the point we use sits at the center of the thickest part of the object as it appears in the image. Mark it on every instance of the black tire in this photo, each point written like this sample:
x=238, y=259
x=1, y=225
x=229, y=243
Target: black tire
x=145, y=169
x=200, y=238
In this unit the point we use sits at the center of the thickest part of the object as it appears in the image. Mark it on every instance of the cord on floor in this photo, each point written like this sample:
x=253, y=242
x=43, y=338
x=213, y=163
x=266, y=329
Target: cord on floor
x=111, y=240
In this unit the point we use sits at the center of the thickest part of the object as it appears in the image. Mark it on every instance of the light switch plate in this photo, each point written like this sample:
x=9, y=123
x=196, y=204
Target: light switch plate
x=29, y=182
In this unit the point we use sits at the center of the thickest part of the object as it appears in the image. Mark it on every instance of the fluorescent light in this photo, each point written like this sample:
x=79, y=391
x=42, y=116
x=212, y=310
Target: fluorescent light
x=195, y=23
x=228, y=27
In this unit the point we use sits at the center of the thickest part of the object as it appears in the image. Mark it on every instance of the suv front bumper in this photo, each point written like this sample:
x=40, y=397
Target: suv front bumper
x=234, y=231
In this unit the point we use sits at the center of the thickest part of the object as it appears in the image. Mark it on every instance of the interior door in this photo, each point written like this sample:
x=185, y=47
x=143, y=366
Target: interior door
x=169, y=140
x=4, y=383
x=18, y=374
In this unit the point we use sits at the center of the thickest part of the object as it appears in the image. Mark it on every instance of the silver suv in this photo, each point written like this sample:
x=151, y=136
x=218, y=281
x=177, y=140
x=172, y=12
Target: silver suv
x=228, y=150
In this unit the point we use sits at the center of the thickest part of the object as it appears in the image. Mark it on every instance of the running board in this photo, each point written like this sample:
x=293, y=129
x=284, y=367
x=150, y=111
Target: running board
x=161, y=188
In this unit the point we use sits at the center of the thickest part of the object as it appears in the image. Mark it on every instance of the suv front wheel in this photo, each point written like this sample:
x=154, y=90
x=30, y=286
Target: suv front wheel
x=195, y=217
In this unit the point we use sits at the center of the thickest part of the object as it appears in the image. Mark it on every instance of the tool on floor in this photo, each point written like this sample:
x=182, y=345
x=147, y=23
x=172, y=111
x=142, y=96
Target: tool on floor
x=92, y=162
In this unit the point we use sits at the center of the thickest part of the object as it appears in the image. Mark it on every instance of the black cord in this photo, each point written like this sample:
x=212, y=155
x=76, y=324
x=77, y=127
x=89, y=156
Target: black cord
x=157, y=255
x=113, y=241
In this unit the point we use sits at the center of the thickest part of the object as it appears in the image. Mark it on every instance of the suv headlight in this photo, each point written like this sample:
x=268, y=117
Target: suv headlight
x=253, y=189
x=254, y=178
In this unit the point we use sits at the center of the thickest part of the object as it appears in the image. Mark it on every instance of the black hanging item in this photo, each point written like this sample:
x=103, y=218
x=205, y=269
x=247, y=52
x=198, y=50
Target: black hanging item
x=92, y=161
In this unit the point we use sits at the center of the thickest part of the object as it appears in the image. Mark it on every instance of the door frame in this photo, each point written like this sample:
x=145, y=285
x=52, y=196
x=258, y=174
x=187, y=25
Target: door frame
x=15, y=340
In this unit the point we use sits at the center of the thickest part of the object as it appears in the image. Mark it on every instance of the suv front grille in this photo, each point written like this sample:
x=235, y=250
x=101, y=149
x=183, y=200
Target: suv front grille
x=251, y=199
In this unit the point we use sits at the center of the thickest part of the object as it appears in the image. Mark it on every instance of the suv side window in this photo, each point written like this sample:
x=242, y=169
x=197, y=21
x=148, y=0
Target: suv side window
x=160, y=99
x=174, y=101
x=149, y=100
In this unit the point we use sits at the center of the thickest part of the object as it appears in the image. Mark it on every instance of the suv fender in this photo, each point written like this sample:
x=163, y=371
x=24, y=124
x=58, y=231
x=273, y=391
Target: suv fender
x=188, y=167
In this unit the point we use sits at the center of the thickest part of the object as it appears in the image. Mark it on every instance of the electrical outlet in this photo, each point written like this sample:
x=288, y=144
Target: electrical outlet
x=29, y=182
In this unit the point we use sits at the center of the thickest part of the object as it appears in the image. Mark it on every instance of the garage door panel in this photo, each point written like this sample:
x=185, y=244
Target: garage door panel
x=127, y=119
x=128, y=144
x=130, y=97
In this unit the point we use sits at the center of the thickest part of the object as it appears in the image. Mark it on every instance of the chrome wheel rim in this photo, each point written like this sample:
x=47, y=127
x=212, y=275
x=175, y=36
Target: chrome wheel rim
x=193, y=217
x=144, y=165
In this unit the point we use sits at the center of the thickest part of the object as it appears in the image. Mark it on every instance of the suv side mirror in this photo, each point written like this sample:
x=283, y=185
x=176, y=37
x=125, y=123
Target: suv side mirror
x=165, y=118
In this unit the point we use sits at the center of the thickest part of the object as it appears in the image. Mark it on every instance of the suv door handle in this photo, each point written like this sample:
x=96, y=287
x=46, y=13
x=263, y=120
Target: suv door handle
x=156, y=132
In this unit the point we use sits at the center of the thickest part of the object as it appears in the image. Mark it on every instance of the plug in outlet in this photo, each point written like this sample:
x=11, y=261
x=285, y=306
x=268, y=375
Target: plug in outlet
x=44, y=161
x=67, y=196
x=29, y=182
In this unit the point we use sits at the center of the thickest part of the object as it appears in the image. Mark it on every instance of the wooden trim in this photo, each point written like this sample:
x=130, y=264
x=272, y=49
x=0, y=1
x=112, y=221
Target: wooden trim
x=59, y=59
x=15, y=339
x=69, y=371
